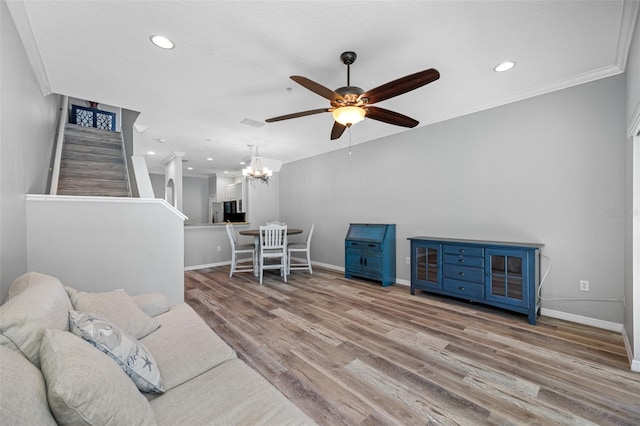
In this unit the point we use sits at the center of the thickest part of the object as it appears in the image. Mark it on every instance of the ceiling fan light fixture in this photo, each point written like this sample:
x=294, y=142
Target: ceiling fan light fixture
x=348, y=115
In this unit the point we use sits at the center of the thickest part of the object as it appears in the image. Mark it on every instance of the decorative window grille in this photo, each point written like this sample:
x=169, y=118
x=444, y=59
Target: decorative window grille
x=93, y=117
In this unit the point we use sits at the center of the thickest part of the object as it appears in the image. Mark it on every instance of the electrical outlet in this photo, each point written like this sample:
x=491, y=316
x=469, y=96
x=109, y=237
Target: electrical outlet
x=584, y=285
x=407, y=260
x=219, y=249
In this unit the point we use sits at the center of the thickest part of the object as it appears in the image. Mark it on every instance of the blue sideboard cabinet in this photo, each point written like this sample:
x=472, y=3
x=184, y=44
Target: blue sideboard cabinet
x=370, y=252
x=497, y=273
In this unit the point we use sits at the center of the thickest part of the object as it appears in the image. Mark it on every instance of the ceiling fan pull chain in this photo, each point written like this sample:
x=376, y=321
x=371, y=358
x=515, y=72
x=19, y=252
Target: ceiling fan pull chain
x=349, y=130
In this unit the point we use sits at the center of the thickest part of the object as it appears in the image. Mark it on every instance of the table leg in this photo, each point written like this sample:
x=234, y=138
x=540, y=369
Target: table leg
x=256, y=253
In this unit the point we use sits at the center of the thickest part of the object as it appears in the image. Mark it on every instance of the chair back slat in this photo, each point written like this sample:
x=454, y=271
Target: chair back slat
x=273, y=236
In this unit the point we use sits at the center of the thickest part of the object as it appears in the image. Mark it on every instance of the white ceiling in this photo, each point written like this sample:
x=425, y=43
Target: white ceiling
x=233, y=60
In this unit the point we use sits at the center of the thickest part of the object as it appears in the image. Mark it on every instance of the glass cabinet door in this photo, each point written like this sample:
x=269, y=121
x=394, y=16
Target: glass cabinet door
x=426, y=265
x=506, y=271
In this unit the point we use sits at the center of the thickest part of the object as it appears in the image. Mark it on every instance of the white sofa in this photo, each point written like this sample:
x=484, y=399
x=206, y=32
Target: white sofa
x=48, y=375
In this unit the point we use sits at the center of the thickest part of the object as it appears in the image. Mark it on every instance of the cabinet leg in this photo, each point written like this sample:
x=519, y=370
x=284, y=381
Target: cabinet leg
x=412, y=291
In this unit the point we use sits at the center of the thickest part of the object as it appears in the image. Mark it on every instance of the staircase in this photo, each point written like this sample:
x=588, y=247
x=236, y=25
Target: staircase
x=92, y=163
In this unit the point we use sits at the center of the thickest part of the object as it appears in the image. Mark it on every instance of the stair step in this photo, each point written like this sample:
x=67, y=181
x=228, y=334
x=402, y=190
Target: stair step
x=67, y=173
x=101, y=143
x=91, y=149
x=81, y=156
x=92, y=184
x=94, y=193
x=89, y=132
x=90, y=165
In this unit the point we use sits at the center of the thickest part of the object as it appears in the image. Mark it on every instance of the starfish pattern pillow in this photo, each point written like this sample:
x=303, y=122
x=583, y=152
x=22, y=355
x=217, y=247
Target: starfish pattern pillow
x=132, y=356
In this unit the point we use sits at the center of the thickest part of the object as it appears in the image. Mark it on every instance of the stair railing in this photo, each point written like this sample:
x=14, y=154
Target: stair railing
x=64, y=115
x=126, y=165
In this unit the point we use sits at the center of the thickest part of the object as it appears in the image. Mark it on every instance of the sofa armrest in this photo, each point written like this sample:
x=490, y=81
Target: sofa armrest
x=152, y=304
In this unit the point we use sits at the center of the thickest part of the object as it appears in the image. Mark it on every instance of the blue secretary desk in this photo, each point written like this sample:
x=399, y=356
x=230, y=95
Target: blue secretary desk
x=370, y=252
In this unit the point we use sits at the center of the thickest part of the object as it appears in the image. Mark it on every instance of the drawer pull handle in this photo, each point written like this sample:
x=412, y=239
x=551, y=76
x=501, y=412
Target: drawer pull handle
x=461, y=274
x=461, y=250
x=461, y=288
x=461, y=260
x=372, y=245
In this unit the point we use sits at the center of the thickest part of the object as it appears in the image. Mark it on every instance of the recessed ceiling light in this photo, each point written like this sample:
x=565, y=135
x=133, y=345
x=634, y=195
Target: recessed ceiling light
x=209, y=159
x=189, y=168
x=161, y=42
x=225, y=171
x=151, y=153
x=243, y=163
x=505, y=66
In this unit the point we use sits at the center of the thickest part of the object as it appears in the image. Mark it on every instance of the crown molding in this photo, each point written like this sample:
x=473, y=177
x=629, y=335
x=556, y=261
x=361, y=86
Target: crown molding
x=18, y=13
x=628, y=20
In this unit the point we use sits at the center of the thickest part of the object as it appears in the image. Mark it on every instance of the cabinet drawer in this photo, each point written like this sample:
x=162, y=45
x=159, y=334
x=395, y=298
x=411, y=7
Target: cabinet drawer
x=463, y=288
x=469, y=251
x=464, y=273
x=361, y=245
x=461, y=259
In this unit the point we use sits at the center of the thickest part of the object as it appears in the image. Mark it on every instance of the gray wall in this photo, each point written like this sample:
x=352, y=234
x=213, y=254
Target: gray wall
x=195, y=199
x=548, y=169
x=633, y=112
x=26, y=146
x=195, y=196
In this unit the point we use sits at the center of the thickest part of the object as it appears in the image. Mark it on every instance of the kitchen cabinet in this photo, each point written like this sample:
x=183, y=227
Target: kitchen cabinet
x=370, y=252
x=496, y=273
x=233, y=191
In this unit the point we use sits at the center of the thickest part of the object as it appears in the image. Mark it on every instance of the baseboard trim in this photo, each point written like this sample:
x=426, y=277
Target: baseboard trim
x=207, y=265
x=634, y=363
x=579, y=319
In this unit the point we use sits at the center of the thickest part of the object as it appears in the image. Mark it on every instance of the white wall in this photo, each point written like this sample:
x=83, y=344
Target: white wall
x=27, y=129
x=102, y=244
x=548, y=169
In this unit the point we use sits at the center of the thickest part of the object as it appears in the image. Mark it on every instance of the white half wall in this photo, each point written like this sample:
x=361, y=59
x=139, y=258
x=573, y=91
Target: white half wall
x=103, y=243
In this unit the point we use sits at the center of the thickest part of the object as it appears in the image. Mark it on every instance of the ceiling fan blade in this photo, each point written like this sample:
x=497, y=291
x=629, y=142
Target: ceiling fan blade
x=391, y=117
x=297, y=114
x=402, y=85
x=316, y=88
x=337, y=130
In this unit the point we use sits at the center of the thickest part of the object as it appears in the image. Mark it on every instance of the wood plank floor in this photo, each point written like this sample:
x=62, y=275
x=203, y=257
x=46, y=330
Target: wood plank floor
x=352, y=352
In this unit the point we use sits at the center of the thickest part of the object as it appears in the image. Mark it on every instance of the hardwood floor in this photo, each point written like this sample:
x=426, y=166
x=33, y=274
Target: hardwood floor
x=352, y=352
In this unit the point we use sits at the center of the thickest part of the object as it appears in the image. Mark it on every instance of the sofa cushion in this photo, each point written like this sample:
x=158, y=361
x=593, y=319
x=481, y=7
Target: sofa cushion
x=84, y=386
x=36, y=301
x=130, y=354
x=23, y=395
x=152, y=304
x=116, y=306
x=231, y=393
x=184, y=346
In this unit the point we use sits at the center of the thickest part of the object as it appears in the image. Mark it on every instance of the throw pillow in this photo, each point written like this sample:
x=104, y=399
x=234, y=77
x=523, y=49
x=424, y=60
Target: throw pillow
x=36, y=302
x=134, y=358
x=85, y=387
x=118, y=307
x=23, y=393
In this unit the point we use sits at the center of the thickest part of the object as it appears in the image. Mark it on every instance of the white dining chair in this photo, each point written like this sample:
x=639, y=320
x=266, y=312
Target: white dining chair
x=273, y=245
x=238, y=263
x=301, y=247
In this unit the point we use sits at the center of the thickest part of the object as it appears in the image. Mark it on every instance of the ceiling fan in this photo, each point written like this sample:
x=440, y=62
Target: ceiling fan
x=351, y=104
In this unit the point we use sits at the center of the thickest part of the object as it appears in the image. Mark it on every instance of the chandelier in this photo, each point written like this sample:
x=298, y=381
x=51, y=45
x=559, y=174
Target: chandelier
x=255, y=170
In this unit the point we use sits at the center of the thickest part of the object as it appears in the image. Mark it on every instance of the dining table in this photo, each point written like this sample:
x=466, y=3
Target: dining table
x=255, y=233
